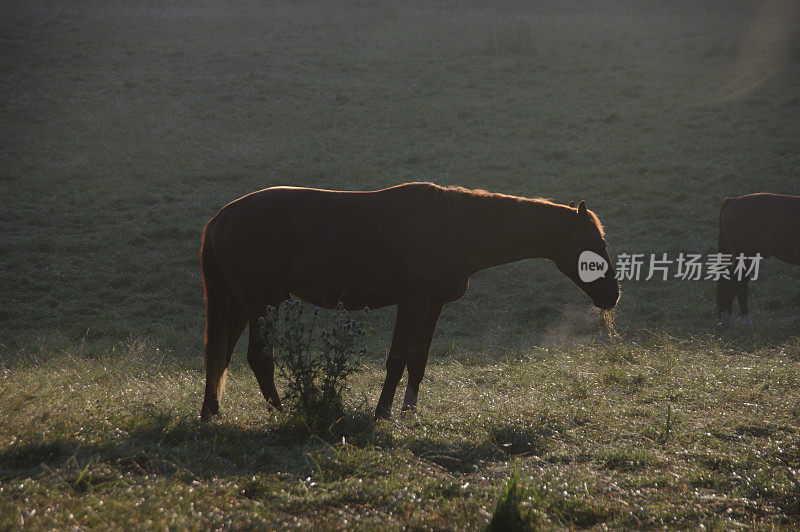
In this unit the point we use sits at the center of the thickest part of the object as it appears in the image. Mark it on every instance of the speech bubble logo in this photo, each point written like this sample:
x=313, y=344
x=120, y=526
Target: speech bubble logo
x=591, y=266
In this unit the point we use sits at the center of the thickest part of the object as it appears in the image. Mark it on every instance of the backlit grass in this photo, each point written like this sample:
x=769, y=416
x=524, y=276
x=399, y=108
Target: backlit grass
x=685, y=433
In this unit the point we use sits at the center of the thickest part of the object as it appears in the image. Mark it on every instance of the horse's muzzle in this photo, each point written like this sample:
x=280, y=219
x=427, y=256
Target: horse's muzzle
x=606, y=300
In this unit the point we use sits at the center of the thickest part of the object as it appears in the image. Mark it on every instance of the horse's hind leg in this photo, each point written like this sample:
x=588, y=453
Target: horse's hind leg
x=418, y=358
x=262, y=362
x=257, y=297
x=725, y=295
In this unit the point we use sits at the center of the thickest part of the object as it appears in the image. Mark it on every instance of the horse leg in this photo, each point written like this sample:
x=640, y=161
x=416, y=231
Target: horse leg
x=741, y=295
x=418, y=358
x=237, y=328
x=261, y=359
x=725, y=295
x=410, y=314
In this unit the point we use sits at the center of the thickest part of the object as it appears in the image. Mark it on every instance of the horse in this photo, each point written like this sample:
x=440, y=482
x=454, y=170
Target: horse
x=763, y=223
x=413, y=245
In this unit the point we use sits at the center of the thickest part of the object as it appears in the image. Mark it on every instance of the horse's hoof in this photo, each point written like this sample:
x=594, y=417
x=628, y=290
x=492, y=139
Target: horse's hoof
x=746, y=320
x=408, y=415
x=207, y=411
x=408, y=410
x=725, y=321
x=274, y=407
x=381, y=413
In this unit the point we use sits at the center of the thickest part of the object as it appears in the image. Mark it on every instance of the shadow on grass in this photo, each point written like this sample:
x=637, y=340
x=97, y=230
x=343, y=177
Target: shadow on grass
x=503, y=441
x=183, y=447
x=160, y=443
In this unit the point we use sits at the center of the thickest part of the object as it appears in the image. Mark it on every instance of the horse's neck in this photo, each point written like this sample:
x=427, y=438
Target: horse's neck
x=498, y=233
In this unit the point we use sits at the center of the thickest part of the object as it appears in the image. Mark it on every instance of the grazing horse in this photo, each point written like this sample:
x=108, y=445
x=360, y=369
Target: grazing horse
x=768, y=224
x=414, y=246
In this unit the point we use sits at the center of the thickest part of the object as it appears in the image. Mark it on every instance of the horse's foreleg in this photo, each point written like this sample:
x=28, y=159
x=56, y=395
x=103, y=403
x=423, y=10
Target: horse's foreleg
x=262, y=362
x=410, y=315
x=741, y=295
x=418, y=357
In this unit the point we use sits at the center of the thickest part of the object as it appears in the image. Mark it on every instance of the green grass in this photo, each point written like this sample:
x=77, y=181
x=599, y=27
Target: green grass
x=125, y=126
x=114, y=439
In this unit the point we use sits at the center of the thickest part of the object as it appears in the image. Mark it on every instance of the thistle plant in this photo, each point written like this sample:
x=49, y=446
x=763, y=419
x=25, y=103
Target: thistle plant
x=314, y=354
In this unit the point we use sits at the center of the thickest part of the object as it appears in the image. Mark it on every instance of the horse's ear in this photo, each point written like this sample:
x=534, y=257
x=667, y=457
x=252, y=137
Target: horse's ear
x=572, y=204
x=582, y=209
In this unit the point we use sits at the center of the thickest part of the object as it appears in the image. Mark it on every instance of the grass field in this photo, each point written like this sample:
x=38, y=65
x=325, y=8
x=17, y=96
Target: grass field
x=124, y=126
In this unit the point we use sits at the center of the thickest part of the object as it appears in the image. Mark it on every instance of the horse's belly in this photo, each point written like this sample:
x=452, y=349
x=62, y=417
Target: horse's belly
x=352, y=297
x=355, y=267
x=783, y=243
x=354, y=289
x=790, y=255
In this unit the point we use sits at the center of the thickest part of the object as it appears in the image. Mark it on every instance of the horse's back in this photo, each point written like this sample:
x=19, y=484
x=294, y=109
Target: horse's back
x=326, y=246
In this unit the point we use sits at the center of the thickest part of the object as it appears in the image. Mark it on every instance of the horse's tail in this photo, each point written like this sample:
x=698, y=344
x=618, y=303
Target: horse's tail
x=724, y=243
x=219, y=299
x=724, y=290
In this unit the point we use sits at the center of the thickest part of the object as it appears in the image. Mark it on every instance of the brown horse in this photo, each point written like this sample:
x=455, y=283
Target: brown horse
x=414, y=246
x=768, y=224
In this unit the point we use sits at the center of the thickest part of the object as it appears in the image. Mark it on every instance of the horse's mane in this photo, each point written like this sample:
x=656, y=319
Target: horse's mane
x=456, y=196
x=495, y=196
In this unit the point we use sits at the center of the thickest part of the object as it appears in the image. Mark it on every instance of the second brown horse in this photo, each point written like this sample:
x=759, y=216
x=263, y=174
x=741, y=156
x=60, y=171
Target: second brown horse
x=763, y=223
x=414, y=246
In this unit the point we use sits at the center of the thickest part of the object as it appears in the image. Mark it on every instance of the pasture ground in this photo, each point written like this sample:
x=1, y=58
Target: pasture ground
x=125, y=126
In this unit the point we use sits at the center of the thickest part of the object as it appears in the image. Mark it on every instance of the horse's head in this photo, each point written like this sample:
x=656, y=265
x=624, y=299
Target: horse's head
x=586, y=269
